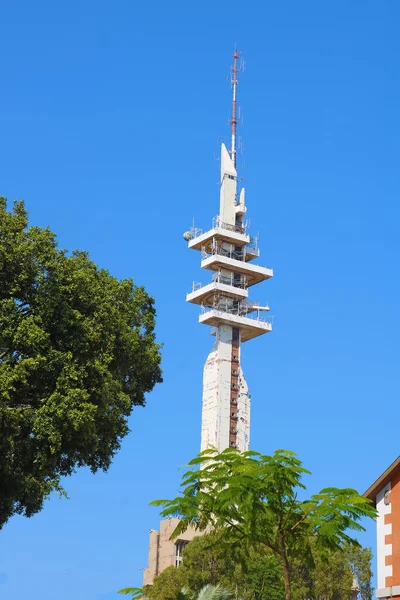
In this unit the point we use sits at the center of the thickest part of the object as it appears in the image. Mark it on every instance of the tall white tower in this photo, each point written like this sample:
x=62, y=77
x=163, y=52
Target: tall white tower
x=228, y=251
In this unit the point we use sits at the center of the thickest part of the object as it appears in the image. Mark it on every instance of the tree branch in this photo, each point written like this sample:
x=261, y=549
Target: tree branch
x=298, y=522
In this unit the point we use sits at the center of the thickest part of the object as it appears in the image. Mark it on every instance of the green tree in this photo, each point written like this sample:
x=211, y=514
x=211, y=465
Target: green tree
x=77, y=352
x=251, y=574
x=360, y=560
x=257, y=575
x=167, y=585
x=253, y=499
x=210, y=592
x=329, y=577
x=207, y=561
x=207, y=592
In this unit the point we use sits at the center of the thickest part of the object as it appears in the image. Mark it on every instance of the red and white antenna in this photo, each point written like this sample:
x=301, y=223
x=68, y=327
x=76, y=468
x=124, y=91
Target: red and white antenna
x=236, y=68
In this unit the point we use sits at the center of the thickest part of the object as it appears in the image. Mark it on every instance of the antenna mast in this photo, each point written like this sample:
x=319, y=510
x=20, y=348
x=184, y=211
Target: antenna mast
x=234, y=80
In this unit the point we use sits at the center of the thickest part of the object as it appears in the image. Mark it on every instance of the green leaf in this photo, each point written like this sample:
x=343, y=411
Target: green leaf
x=77, y=353
x=135, y=593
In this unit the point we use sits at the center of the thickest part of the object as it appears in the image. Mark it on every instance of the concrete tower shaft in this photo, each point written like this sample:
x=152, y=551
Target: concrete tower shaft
x=227, y=250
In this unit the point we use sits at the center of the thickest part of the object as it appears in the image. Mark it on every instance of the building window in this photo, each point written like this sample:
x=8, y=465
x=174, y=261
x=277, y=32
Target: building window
x=386, y=497
x=179, y=547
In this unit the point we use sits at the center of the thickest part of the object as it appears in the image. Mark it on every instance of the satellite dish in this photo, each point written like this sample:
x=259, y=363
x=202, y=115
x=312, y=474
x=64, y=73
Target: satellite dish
x=188, y=235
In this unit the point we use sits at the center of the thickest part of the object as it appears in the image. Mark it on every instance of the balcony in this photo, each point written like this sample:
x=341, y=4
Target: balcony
x=246, y=253
x=231, y=261
x=244, y=315
x=220, y=286
x=232, y=234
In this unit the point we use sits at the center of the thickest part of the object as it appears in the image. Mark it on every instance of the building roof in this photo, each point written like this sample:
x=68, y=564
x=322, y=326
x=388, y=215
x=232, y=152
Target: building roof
x=382, y=480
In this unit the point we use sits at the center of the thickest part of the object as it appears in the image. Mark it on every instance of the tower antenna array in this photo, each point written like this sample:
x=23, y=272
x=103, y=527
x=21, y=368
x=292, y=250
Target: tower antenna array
x=234, y=80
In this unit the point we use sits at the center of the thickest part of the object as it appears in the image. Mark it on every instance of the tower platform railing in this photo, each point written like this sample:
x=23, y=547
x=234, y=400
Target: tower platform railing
x=231, y=253
x=238, y=283
x=219, y=278
x=250, y=310
x=217, y=223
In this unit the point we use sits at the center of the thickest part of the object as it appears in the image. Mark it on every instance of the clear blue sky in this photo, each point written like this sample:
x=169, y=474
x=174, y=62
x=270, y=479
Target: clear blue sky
x=111, y=115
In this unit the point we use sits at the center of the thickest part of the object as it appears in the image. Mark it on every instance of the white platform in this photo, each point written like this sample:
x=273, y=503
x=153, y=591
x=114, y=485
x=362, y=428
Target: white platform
x=254, y=273
x=219, y=233
x=249, y=328
x=205, y=294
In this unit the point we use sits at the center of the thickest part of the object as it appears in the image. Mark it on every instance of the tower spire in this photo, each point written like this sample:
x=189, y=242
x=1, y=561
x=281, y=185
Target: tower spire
x=234, y=80
x=228, y=251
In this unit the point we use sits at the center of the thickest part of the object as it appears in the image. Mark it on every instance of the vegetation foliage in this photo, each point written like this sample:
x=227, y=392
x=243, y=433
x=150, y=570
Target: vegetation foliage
x=252, y=500
x=77, y=352
x=257, y=575
x=207, y=592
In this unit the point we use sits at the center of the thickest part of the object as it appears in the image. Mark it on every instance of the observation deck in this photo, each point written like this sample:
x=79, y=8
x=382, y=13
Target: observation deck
x=221, y=260
x=251, y=326
x=223, y=232
x=228, y=250
x=205, y=294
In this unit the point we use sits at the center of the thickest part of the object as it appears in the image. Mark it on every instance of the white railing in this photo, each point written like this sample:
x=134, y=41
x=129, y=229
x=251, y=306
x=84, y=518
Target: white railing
x=252, y=249
x=236, y=228
x=226, y=280
x=231, y=253
x=215, y=249
x=236, y=311
x=217, y=223
x=218, y=278
x=195, y=232
x=196, y=285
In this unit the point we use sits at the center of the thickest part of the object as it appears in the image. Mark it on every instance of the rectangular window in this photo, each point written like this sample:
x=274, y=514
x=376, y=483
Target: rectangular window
x=179, y=546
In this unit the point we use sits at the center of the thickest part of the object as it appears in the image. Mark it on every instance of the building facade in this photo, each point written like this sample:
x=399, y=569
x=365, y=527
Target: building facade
x=227, y=254
x=164, y=552
x=385, y=493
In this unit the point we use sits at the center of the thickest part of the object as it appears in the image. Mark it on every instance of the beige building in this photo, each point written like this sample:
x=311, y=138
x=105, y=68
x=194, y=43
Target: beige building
x=164, y=552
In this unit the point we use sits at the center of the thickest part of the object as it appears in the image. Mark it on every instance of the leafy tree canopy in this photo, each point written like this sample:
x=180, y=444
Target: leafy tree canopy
x=77, y=352
x=207, y=592
x=253, y=500
x=257, y=575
